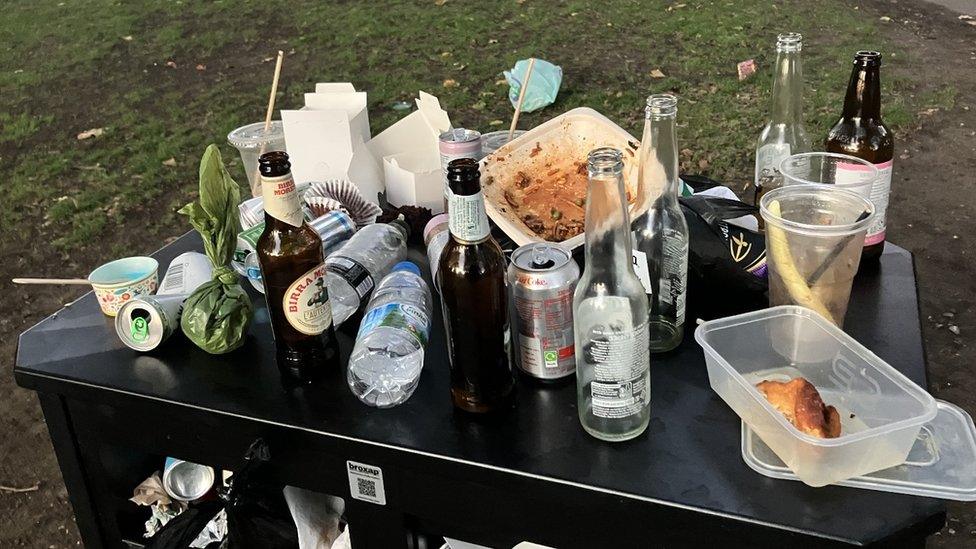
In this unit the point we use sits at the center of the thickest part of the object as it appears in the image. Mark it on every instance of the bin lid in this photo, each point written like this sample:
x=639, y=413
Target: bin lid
x=941, y=464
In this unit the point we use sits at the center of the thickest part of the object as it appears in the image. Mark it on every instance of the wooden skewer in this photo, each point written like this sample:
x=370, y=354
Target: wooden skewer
x=274, y=90
x=518, y=106
x=267, y=118
x=51, y=281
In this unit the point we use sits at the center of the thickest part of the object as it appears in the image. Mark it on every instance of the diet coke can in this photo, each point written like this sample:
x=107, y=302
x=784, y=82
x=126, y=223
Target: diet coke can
x=543, y=277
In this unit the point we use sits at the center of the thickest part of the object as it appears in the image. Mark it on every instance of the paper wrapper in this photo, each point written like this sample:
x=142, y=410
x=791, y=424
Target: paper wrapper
x=150, y=491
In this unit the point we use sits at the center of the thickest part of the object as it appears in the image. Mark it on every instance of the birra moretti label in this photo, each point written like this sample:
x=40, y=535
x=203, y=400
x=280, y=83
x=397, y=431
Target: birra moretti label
x=468, y=220
x=306, y=303
x=281, y=199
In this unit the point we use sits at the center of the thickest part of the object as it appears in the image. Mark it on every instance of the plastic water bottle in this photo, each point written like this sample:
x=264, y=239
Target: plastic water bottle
x=353, y=270
x=385, y=365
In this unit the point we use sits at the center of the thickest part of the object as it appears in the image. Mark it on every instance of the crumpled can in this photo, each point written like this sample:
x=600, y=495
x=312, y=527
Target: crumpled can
x=543, y=84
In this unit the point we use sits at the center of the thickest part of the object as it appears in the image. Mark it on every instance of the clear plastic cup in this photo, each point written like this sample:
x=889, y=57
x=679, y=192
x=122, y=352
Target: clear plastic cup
x=814, y=237
x=492, y=141
x=252, y=141
x=823, y=168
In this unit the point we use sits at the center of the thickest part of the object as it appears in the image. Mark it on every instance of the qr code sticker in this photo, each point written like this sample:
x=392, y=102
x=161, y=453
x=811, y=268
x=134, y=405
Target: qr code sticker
x=366, y=482
x=366, y=487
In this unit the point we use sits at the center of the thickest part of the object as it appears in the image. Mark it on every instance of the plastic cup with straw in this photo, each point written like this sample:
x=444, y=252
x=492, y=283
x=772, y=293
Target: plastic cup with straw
x=814, y=236
x=253, y=140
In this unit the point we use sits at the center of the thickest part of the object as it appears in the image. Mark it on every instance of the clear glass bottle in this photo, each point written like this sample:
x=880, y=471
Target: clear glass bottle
x=783, y=134
x=661, y=233
x=610, y=312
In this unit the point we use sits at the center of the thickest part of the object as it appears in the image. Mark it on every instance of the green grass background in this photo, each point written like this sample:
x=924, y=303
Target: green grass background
x=66, y=67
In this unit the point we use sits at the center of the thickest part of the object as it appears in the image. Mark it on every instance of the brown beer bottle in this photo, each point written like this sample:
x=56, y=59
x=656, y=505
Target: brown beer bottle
x=292, y=268
x=473, y=297
x=860, y=132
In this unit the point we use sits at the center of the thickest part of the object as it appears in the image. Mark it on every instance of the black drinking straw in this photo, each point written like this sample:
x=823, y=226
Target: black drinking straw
x=834, y=253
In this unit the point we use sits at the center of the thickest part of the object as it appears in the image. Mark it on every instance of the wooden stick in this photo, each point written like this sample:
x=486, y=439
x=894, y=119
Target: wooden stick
x=256, y=188
x=518, y=106
x=274, y=90
x=51, y=281
x=18, y=490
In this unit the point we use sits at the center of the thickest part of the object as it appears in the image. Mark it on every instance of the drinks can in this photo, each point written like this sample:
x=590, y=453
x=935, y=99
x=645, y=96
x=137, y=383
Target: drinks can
x=335, y=228
x=436, y=235
x=147, y=321
x=459, y=143
x=187, y=481
x=247, y=241
x=543, y=278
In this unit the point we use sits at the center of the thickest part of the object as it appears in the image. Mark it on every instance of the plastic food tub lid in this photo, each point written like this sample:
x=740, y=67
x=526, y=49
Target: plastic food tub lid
x=941, y=464
x=253, y=135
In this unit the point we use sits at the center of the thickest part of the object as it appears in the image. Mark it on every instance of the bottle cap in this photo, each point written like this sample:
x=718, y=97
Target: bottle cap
x=407, y=266
x=401, y=224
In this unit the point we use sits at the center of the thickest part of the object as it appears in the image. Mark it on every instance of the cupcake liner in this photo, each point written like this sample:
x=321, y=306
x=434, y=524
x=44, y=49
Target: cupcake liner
x=321, y=205
x=362, y=211
x=320, y=198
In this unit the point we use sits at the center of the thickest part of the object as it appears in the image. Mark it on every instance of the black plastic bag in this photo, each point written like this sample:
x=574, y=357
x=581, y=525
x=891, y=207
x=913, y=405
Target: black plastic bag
x=182, y=529
x=257, y=514
x=726, y=263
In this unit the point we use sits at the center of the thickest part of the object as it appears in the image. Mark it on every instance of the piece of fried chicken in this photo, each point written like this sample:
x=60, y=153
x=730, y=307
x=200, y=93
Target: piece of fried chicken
x=800, y=402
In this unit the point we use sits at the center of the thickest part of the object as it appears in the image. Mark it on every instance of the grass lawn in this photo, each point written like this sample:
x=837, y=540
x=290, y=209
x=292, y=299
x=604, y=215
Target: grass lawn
x=165, y=78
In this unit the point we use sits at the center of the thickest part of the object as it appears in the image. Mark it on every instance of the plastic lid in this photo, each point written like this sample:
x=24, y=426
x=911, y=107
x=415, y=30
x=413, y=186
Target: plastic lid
x=492, y=141
x=941, y=464
x=401, y=224
x=407, y=266
x=253, y=135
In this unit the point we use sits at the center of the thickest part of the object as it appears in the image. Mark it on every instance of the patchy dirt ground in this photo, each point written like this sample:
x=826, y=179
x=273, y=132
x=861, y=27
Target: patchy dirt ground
x=931, y=214
x=934, y=197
